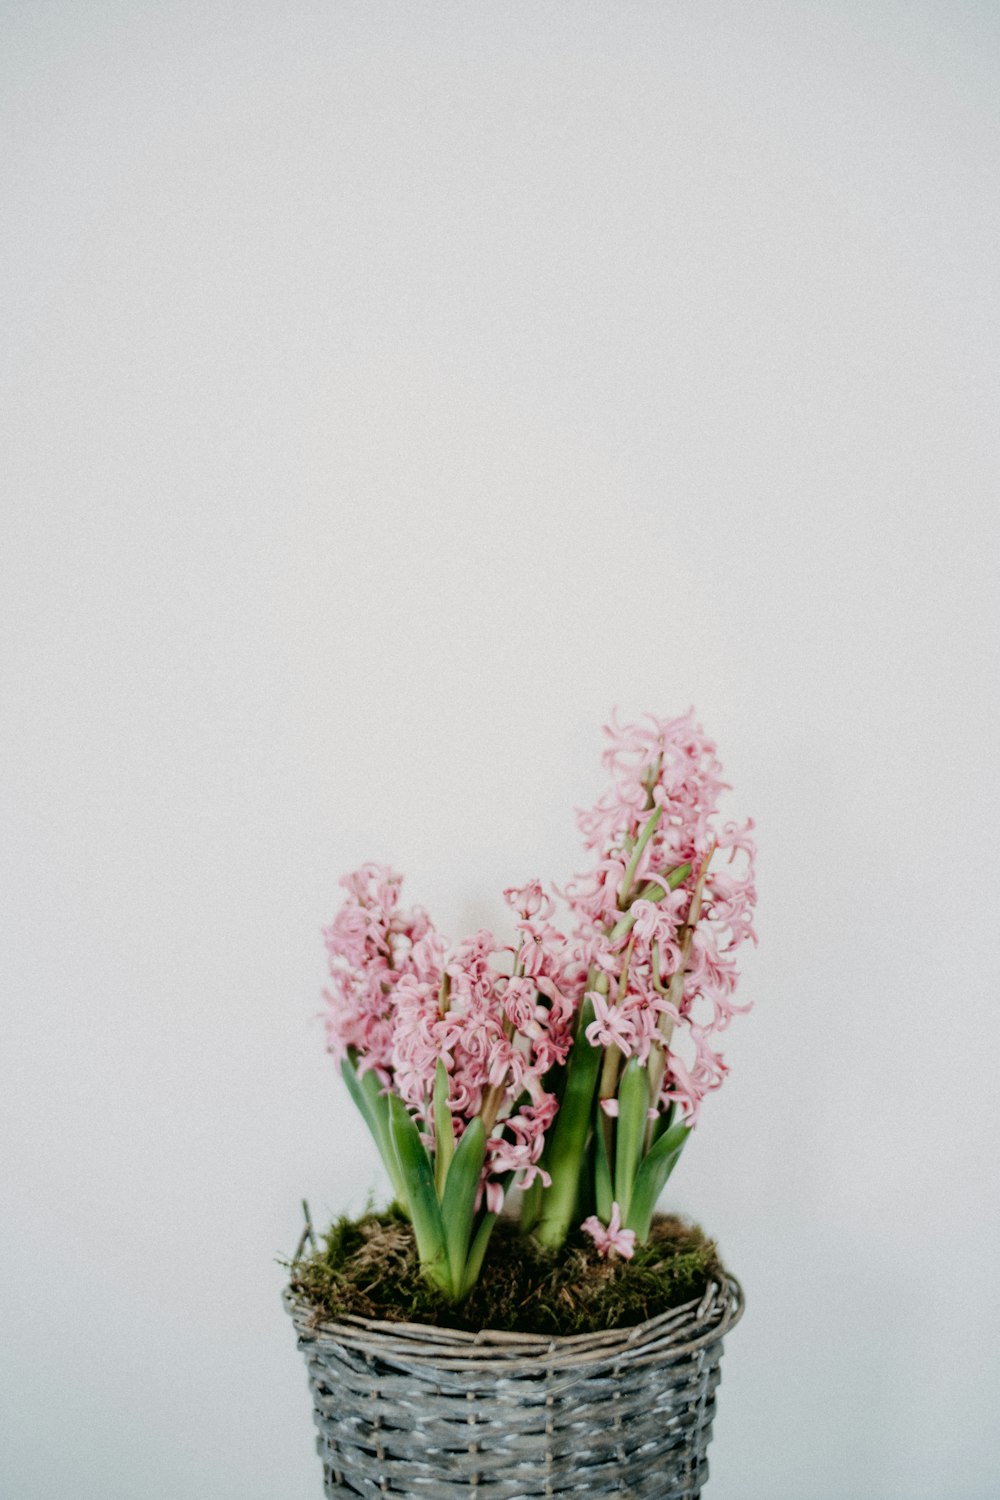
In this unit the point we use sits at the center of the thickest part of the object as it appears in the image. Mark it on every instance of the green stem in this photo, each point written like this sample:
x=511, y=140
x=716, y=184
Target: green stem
x=569, y=1140
x=654, y=890
x=675, y=990
x=477, y=1252
x=576, y=1112
x=652, y=824
x=444, y=1129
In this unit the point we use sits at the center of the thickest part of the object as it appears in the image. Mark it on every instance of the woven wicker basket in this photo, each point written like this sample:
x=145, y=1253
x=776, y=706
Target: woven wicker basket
x=410, y=1410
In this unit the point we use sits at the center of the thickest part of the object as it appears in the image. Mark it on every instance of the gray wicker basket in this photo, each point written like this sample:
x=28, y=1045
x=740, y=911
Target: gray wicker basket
x=411, y=1410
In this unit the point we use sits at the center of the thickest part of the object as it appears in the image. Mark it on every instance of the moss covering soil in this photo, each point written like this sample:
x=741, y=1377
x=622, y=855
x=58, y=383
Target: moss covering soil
x=368, y=1268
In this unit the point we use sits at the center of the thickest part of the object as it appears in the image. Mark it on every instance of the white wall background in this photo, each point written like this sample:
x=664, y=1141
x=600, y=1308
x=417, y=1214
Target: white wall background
x=387, y=391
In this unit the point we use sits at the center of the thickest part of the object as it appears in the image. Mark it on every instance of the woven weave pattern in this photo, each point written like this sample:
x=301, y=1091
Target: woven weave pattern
x=420, y=1411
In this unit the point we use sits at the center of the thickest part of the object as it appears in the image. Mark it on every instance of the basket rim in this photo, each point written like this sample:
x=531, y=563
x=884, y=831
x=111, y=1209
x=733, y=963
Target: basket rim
x=677, y=1331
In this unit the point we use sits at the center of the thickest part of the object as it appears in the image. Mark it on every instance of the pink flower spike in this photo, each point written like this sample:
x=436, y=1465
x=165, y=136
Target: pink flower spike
x=610, y=1108
x=611, y=1240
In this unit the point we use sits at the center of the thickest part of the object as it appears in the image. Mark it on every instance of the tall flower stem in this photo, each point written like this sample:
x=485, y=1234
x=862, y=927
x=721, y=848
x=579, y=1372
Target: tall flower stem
x=569, y=1140
x=675, y=990
x=575, y=1120
x=652, y=823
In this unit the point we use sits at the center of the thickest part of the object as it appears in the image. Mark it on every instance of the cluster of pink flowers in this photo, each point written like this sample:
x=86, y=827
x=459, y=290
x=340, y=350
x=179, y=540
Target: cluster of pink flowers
x=670, y=978
x=499, y=1016
x=653, y=949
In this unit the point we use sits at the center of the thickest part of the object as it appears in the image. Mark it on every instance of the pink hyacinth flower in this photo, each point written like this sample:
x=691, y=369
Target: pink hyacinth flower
x=610, y=1239
x=529, y=900
x=611, y=1027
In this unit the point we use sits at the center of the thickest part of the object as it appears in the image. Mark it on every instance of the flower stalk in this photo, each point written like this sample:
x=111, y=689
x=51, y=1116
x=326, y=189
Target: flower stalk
x=575, y=1125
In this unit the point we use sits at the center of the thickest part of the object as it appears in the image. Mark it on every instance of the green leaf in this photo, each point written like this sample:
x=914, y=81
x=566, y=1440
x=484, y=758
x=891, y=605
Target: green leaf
x=531, y=1204
x=444, y=1128
x=602, y=1172
x=651, y=1178
x=474, y=1259
x=569, y=1140
x=458, y=1206
x=663, y=1121
x=421, y=1196
x=633, y=1103
x=373, y=1105
x=350, y=1076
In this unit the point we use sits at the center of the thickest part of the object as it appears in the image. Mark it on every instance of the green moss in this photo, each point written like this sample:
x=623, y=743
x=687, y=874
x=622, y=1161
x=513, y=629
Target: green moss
x=368, y=1267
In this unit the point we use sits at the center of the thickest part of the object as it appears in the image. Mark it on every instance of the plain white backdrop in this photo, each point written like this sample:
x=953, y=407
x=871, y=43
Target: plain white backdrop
x=389, y=390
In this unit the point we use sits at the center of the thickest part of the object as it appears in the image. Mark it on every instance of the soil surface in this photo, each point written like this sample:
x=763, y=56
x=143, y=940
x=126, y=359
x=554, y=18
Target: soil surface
x=368, y=1267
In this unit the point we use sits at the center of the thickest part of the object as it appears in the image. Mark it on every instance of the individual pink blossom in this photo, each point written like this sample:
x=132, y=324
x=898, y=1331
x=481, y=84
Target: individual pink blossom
x=599, y=890
x=612, y=1239
x=658, y=921
x=645, y=1015
x=738, y=837
x=611, y=1026
x=687, y=1082
x=520, y=1003
x=508, y=1156
x=542, y=947
x=529, y=900
x=594, y=951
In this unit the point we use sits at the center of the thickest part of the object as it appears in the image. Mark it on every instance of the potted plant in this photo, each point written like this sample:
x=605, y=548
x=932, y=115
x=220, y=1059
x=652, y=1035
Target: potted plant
x=520, y=1323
